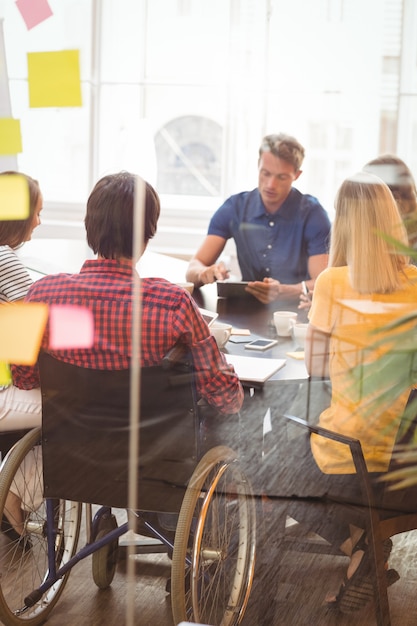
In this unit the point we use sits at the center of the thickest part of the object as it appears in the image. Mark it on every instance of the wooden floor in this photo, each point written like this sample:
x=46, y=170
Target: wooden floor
x=291, y=593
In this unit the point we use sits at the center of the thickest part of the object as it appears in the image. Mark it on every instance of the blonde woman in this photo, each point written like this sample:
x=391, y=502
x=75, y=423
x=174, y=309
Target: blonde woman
x=367, y=285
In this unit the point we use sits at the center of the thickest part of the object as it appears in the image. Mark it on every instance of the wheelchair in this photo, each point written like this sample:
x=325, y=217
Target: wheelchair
x=80, y=458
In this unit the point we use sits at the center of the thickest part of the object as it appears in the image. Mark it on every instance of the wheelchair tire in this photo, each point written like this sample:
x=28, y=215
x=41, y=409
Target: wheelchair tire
x=24, y=565
x=104, y=561
x=214, y=550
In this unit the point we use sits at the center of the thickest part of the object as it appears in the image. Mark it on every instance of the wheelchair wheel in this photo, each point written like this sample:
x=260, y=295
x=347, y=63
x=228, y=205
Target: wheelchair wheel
x=24, y=563
x=214, y=550
x=105, y=559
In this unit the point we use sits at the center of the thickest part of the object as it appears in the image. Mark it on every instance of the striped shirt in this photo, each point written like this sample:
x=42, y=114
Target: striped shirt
x=14, y=277
x=169, y=317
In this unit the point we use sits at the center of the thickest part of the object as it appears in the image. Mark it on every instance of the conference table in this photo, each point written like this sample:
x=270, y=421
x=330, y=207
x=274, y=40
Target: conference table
x=295, y=392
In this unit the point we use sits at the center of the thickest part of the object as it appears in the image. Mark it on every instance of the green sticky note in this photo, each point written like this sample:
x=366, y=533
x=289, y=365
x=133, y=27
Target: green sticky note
x=14, y=197
x=10, y=136
x=5, y=374
x=54, y=79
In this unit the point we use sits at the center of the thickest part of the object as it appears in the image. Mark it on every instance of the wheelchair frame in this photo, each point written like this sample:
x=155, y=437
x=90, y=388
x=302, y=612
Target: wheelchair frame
x=213, y=553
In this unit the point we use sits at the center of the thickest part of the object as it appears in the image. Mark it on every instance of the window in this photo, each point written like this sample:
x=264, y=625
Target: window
x=188, y=153
x=182, y=92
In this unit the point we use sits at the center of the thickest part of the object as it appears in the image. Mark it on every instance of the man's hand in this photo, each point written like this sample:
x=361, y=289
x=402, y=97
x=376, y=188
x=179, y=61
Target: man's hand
x=305, y=301
x=210, y=274
x=265, y=291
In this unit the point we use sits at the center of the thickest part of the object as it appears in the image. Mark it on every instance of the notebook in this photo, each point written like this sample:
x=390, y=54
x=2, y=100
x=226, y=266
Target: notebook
x=254, y=369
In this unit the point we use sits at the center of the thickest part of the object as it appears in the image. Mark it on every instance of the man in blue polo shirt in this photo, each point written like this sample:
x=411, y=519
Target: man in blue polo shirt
x=281, y=235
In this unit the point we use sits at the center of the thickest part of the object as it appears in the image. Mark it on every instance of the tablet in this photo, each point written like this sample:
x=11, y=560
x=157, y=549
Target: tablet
x=208, y=316
x=229, y=289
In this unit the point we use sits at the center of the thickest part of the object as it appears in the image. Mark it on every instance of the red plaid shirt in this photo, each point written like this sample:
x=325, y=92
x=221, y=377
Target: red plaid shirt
x=169, y=317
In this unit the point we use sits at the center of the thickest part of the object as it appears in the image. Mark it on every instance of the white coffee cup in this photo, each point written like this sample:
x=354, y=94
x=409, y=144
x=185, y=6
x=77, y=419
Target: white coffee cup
x=221, y=332
x=299, y=333
x=282, y=321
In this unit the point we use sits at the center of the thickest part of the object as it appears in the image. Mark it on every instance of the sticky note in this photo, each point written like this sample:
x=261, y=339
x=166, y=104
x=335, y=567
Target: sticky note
x=34, y=11
x=54, y=79
x=10, y=136
x=14, y=197
x=296, y=355
x=70, y=327
x=5, y=374
x=21, y=329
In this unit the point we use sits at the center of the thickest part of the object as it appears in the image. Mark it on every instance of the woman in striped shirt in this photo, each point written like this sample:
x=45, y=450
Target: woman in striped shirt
x=14, y=277
x=14, y=284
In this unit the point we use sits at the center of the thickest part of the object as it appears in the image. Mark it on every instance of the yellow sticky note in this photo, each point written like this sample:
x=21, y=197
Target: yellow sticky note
x=54, y=79
x=5, y=374
x=10, y=136
x=22, y=325
x=14, y=197
x=296, y=355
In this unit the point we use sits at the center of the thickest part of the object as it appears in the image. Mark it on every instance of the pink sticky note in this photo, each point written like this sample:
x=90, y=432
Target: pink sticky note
x=70, y=327
x=34, y=11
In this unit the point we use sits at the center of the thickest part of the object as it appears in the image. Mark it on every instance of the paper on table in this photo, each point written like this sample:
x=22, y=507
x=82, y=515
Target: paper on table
x=254, y=369
x=371, y=307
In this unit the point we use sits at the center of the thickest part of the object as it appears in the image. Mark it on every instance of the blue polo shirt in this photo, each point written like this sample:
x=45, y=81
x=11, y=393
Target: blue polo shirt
x=276, y=246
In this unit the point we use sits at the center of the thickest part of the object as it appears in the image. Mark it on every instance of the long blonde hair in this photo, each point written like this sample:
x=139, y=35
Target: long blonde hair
x=365, y=212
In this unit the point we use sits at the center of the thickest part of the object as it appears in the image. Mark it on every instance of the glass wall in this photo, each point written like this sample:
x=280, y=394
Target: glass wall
x=181, y=92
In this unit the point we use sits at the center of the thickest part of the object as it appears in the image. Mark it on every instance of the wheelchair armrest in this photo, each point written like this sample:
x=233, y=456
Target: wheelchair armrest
x=324, y=432
x=355, y=449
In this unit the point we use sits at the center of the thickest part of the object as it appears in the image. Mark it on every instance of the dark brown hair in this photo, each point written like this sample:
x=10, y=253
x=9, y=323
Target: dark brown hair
x=397, y=175
x=15, y=232
x=109, y=217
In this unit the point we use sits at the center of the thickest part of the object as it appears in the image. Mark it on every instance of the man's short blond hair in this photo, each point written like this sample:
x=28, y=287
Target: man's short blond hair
x=284, y=147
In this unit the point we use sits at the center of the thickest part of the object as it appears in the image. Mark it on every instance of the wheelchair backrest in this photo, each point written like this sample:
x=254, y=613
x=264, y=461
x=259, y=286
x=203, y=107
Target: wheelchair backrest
x=86, y=432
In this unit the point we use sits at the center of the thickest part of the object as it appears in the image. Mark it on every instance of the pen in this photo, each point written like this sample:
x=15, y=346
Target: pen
x=304, y=288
